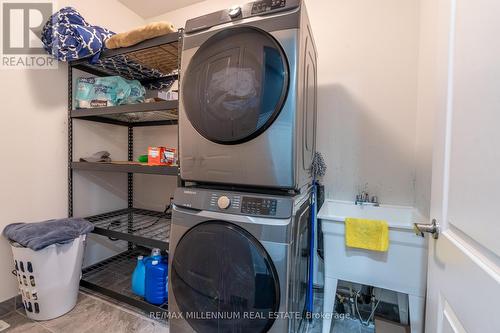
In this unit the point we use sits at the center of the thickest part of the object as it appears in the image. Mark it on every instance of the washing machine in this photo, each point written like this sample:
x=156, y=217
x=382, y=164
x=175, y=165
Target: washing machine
x=238, y=262
x=247, y=110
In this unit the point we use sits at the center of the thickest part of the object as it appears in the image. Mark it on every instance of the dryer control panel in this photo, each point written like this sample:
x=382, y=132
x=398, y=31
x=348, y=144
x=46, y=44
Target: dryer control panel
x=240, y=12
x=263, y=6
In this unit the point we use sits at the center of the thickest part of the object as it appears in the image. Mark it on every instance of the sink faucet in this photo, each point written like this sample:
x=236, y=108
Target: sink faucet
x=363, y=199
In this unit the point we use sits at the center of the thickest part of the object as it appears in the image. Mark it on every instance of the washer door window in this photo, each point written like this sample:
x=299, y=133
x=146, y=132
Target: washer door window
x=235, y=85
x=224, y=280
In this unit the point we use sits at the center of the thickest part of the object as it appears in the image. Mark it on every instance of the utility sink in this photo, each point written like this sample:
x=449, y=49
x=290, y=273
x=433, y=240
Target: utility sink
x=403, y=268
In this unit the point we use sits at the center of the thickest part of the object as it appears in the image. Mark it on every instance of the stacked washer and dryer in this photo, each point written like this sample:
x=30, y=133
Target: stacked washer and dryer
x=240, y=239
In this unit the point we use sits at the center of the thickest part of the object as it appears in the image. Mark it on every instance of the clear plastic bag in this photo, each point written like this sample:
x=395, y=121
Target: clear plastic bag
x=95, y=92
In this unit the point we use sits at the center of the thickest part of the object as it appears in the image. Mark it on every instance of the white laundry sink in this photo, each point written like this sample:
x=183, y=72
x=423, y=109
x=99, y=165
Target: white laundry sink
x=403, y=268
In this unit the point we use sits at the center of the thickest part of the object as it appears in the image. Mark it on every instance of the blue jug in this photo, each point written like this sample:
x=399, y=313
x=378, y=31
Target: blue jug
x=156, y=281
x=139, y=277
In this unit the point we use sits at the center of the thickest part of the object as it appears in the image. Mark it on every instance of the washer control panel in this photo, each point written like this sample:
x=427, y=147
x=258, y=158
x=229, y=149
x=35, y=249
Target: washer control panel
x=238, y=203
x=225, y=201
x=259, y=206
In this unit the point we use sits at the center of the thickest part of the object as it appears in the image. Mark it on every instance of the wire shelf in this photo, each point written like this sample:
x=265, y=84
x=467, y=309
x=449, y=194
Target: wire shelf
x=114, y=276
x=127, y=167
x=151, y=61
x=142, y=114
x=140, y=226
x=144, y=117
x=162, y=57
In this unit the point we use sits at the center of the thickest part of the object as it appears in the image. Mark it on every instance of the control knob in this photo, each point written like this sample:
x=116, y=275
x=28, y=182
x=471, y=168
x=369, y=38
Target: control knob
x=234, y=11
x=223, y=202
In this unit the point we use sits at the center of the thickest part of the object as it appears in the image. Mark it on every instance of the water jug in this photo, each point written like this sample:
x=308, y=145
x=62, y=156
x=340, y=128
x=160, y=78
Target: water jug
x=156, y=281
x=139, y=277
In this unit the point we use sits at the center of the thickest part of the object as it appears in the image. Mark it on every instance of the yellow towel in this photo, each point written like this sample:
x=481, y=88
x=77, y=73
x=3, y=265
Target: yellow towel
x=367, y=234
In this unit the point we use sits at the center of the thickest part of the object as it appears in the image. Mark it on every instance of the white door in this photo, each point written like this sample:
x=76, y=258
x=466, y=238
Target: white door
x=463, y=292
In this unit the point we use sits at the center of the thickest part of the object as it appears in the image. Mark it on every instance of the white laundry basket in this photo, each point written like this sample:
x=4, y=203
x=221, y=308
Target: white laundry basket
x=48, y=279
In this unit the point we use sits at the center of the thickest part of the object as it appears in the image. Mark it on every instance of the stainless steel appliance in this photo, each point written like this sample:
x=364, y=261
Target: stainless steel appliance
x=238, y=262
x=247, y=112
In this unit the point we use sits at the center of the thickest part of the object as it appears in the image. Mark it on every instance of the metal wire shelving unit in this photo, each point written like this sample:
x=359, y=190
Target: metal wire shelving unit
x=153, y=62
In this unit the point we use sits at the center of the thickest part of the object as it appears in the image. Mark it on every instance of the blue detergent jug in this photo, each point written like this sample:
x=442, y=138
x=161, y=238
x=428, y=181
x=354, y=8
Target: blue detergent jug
x=139, y=277
x=156, y=281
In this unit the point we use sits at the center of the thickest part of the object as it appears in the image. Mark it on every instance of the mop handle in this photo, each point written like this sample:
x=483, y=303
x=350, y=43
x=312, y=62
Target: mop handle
x=310, y=294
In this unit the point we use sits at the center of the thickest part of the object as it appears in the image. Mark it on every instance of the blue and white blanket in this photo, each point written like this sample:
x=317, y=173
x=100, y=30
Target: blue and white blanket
x=67, y=36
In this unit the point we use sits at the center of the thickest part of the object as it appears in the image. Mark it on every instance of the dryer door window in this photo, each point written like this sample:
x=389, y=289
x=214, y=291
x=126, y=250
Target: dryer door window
x=235, y=85
x=219, y=269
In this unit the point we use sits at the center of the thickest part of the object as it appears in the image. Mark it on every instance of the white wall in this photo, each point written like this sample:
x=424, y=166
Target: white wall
x=427, y=104
x=153, y=191
x=34, y=137
x=368, y=77
x=178, y=17
x=368, y=57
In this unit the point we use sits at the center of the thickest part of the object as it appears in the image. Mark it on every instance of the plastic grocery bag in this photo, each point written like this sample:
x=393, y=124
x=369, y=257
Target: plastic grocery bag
x=137, y=92
x=95, y=92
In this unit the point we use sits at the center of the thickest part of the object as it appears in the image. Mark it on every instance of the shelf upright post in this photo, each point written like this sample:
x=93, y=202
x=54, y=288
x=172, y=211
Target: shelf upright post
x=180, y=182
x=70, y=141
x=130, y=183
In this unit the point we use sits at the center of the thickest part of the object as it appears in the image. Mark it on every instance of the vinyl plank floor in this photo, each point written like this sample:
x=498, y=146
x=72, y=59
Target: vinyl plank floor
x=94, y=315
x=21, y=324
x=91, y=314
x=7, y=306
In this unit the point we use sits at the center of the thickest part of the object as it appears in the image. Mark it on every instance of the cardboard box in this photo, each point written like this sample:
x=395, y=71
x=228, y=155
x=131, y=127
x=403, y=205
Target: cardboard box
x=154, y=155
x=161, y=156
x=169, y=156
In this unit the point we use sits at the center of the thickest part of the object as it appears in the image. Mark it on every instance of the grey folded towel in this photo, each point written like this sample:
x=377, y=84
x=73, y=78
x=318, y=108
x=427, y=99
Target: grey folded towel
x=100, y=156
x=37, y=236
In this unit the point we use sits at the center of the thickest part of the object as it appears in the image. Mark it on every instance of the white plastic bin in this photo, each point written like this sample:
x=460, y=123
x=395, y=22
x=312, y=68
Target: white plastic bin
x=49, y=279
